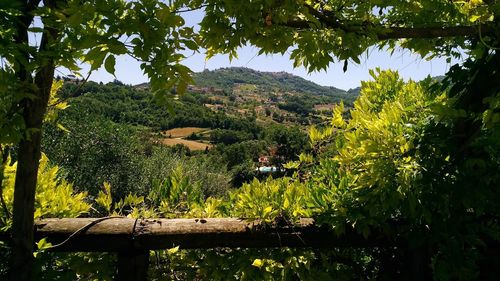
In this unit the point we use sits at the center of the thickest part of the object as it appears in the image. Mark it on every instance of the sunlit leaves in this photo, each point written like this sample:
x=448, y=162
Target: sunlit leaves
x=55, y=197
x=104, y=198
x=55, y=104
x=270, y=199
x=491, y=116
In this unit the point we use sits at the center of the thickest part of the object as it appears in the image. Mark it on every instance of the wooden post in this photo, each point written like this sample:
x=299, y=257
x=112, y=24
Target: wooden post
x=133, y=266
x=419, y=263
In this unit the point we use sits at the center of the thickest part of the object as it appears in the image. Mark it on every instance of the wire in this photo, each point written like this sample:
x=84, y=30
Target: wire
x=85, y=227
x=133, y=228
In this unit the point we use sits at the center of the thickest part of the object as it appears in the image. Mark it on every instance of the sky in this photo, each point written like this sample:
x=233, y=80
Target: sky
x=410, y=66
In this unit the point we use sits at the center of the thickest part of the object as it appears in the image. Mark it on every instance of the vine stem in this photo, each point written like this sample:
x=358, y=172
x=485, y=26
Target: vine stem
x=484, y=42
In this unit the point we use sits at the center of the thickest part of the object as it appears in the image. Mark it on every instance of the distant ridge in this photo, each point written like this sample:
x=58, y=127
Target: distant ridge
x=226, y=78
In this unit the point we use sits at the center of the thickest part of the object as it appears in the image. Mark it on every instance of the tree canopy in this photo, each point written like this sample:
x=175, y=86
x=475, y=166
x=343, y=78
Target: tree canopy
x=320, y=32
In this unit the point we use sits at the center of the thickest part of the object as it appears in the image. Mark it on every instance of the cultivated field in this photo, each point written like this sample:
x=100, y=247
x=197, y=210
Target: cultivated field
x=192, y=145
x=324, y=107
x=183, y=132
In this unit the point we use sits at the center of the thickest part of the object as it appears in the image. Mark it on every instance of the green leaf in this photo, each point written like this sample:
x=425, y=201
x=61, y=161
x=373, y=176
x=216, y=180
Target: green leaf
x=62, y=128
x=191, y=45
x=95, y=57
x=173, y=250
x=43, y=244
x=474, y=18
x=104, y=197
x=181, y=87
x=110, y=63
x=257, y=263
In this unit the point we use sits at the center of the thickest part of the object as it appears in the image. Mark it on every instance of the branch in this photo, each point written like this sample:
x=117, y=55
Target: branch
x=331, y=21
x=191, y=9
x=431, y=32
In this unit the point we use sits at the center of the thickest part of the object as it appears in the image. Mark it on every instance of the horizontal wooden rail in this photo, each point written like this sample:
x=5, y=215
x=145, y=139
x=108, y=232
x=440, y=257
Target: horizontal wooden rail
x=132, y=239
x=126, y=234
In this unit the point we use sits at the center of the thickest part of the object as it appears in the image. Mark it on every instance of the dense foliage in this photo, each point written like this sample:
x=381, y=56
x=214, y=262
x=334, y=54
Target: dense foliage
x=39, y=35
x=393, y=168
x=417, y=163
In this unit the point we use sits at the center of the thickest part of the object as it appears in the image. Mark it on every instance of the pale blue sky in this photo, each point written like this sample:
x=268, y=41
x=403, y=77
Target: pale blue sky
x=409, y=65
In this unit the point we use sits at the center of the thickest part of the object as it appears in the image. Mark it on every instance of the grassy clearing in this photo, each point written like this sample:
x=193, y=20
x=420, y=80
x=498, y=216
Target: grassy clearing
x=183, y=132
x=192, y=145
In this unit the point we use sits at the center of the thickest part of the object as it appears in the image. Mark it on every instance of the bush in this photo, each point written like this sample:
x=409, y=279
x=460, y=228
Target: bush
x=94, y=151
x=212, y=180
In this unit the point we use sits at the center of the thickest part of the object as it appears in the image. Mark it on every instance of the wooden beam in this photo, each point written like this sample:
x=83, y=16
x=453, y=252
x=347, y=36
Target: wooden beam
x=125, y=234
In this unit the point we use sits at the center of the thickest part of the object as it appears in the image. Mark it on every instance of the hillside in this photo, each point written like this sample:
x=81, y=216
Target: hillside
x=270, y=97
x=228, y=78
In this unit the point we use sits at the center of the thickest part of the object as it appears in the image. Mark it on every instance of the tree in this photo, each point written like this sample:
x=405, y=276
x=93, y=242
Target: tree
x=288, y=142
x=95, y=151
x=69, y=32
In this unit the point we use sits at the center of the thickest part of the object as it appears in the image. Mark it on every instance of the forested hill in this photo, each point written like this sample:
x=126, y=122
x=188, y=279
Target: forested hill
x=271, y=96
x=227, y=78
